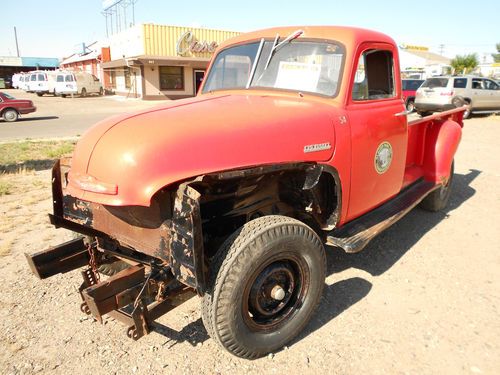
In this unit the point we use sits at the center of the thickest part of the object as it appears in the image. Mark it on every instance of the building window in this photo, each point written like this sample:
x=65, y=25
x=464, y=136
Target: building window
x=171, y=78
x=127, y=78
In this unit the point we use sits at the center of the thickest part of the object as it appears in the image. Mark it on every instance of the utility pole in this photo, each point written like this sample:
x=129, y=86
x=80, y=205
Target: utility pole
x=441, y=49
x=17, y=45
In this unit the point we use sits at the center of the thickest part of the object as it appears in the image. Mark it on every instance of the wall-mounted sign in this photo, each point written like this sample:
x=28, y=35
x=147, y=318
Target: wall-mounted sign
x=188, y=43
x=413, y=48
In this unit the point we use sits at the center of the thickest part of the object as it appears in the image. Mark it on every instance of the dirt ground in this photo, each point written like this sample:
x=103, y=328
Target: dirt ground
x=422, y=298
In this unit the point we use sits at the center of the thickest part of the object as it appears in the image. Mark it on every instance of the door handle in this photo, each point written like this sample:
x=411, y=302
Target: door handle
x=404, y=113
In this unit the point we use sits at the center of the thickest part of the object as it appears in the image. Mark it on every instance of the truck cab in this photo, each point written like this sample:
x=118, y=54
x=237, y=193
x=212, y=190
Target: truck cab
x=297, y=141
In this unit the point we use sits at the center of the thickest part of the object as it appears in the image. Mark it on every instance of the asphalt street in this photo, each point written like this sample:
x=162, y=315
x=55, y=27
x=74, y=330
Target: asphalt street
x=65, y=117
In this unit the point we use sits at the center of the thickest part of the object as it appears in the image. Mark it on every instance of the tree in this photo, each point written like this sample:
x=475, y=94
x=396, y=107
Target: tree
x=464, y=63
x=496, y=56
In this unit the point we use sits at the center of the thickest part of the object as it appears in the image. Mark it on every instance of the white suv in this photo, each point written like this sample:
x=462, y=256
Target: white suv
x=480, y=95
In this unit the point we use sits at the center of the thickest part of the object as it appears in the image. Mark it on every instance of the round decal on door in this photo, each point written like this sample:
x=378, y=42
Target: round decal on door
x=383, y=157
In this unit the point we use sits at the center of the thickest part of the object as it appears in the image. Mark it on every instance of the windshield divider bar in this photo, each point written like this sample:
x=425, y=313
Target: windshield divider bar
x=272, y=50
x=257, y=57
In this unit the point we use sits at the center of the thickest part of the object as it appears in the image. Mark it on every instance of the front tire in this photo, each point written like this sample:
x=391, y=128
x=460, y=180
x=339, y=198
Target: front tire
x=10, y=115
x=265, y=283
x=83, y=93
x=438, y=199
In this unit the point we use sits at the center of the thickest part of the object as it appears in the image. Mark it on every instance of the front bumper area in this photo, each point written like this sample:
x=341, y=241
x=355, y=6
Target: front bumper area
x=166, y=260
x=159, y=234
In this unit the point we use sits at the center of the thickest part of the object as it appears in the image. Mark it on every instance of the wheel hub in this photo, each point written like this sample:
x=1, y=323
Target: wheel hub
x=273, y=292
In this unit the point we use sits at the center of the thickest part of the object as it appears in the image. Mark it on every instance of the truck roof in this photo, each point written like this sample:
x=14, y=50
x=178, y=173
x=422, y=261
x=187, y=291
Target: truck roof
x=350, y=37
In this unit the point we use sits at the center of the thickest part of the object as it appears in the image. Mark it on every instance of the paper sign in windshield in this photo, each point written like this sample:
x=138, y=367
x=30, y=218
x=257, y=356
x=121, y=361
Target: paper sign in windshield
x=298, y=76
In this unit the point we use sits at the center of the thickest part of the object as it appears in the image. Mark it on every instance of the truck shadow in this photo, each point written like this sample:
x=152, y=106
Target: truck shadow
x=380, y=255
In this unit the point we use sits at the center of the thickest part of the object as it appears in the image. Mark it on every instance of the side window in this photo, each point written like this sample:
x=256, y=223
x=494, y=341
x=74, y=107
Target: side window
x=477, y=84
x=490, y=85
x=460, y=83
x=374, y=77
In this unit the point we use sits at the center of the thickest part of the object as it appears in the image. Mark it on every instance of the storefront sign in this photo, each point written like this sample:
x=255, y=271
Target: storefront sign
x=188, y=43
x=413, y=48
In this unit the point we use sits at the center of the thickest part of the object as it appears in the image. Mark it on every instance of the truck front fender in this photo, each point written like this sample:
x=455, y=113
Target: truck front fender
x=441, y=143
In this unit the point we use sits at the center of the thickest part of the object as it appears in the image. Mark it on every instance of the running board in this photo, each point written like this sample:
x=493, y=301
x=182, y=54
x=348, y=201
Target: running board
x=354, y=236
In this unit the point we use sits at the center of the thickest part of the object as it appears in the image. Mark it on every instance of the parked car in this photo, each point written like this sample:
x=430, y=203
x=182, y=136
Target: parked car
x=233, y=194
x=479, y=95
x=410, y=87
x=77, y=83
x=41, y=82
x=11, y=108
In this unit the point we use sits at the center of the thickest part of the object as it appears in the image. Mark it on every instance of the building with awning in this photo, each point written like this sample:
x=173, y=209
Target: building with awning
x=9, y=65
x=152, y=61
x=418, y=62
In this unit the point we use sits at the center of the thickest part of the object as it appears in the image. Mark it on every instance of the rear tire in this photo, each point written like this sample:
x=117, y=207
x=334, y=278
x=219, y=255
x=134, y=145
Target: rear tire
x=10, y=115
x=460, y=102
x=438, y=199
x=265, y=283
x=101, y=92
x=39, y=93
x=410, y=105
x=83, y=93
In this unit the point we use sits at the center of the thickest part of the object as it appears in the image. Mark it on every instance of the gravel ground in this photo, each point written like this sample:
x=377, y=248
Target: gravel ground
x=422, y=298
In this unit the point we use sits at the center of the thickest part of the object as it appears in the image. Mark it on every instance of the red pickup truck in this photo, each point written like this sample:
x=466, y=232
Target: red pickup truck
x=298, y=139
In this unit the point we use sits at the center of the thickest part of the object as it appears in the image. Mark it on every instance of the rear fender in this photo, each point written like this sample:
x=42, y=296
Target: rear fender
x=441, y=143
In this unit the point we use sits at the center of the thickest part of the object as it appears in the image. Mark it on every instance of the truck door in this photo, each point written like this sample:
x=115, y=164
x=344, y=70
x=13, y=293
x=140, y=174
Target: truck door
x=378, y=128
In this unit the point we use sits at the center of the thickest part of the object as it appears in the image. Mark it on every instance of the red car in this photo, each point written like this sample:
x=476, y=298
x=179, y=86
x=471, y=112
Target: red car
x=11, y=108
x=410, y=87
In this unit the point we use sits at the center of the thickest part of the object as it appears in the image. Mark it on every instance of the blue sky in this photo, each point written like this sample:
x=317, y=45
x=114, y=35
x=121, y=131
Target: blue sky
x=55, y=28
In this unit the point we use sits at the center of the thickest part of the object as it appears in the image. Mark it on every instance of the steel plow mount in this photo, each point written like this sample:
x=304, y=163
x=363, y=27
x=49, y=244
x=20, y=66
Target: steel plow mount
x=136, y=296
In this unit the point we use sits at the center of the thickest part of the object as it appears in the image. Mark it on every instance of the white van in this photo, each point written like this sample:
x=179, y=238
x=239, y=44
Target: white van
x=41, y=82
x=15, y=80
x=23, y=81
x=77, y=83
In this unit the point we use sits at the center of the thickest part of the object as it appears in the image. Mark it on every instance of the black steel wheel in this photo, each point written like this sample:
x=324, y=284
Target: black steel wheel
x=438, y=199
x=265, y=283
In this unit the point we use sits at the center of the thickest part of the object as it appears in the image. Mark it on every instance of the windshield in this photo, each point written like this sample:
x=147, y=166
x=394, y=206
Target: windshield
x=412, y=84
x=304, y=66
x=435, y=82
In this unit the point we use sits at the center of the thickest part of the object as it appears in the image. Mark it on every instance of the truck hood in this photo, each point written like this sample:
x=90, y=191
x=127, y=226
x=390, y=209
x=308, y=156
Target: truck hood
x=133, y=156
